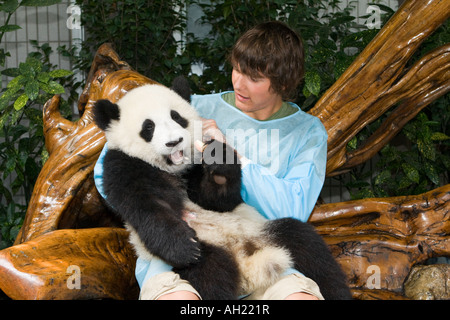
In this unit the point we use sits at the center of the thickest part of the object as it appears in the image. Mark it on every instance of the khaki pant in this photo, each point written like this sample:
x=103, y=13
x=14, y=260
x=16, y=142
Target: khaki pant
x=169, y=282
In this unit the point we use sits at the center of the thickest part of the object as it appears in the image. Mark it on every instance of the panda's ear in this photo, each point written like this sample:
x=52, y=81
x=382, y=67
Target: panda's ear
x=181, y=86
x=104, y=112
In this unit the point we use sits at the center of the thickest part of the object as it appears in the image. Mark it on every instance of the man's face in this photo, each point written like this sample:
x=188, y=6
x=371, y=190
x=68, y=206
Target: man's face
x=255, y=97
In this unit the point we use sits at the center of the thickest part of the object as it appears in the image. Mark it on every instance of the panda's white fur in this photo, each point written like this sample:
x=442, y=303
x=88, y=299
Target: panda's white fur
x=236, y=230
x=232, y=230
x=153, y=102
x=260, y=249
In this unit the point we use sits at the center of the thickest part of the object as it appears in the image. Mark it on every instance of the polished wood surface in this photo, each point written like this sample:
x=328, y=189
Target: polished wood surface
x=71, y=264
x=385, y=237
x=377, y=241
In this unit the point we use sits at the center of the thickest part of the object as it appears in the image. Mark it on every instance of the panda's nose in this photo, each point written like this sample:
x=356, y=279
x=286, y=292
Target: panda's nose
x=174, y=143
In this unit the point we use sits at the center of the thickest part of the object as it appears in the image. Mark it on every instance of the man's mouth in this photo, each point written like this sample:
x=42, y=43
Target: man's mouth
x=241, y=98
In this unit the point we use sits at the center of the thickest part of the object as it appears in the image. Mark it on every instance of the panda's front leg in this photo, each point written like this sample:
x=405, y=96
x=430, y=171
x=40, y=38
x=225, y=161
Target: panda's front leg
x=172, y=240
x=151, y=201
x=165, y=234
x=221, y=159
x=219, y=185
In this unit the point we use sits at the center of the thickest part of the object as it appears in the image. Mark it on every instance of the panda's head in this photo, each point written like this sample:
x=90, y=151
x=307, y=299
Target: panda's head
x=152, y=123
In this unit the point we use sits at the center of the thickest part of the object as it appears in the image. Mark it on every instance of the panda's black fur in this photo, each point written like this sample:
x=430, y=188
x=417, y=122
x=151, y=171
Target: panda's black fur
x=153, y=201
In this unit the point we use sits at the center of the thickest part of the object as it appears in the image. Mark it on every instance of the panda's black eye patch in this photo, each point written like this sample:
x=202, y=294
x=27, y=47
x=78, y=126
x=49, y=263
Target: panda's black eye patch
x=148, y=128
x=179, y=119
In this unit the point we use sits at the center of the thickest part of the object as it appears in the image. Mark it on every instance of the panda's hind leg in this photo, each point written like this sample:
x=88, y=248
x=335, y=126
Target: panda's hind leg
x=215, y=276
x=311, y=256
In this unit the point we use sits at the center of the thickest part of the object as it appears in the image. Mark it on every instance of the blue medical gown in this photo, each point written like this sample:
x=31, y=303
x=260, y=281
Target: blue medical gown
x=286, y=163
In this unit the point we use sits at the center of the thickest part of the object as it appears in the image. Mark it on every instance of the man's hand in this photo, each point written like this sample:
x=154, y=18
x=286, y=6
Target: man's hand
x=211, y=131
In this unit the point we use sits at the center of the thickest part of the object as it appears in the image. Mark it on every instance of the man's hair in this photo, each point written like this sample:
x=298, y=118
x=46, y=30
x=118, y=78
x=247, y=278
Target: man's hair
x=272, y=50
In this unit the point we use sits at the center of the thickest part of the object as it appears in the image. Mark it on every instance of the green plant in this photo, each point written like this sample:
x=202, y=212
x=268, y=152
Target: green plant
x=22, y=150
x=9, y=7
x=141, y=32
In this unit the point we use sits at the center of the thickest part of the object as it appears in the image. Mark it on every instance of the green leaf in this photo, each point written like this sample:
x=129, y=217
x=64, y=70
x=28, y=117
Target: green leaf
x=3, y=119
x=432, y=173
x=60, y=73
x=35, y=64
x=352, y=144
x=39, y=3
x=383, y=177
x=43, y=77
x=16, y=83
x=385, y=8
x=15, y=116
x=306, y=92
x=312, y=82
x=21, y=101
x=10, y=6
x=9, y=95
x=3, y=56
x=44, y=156
x=11, y=72
x=32, y=89
x=52, y=87
x=411, y=172
x=26, y=70
x=439, y=136
x=403, y=183
x=14, y=231
x=9, y=28
x=427, y=149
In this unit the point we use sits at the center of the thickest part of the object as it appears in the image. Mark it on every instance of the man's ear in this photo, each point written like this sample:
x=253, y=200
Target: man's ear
x=181, y=86
x=104, y=112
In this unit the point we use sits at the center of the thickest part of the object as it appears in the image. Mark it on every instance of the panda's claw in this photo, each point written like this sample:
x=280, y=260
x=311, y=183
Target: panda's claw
x=188, y=252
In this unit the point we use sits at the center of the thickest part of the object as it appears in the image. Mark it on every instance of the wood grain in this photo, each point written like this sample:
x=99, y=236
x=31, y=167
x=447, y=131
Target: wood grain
x=70, y=264
x=388, y=234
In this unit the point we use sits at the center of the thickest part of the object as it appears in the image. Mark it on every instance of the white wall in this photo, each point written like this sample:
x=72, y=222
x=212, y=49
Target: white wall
x=44, y=24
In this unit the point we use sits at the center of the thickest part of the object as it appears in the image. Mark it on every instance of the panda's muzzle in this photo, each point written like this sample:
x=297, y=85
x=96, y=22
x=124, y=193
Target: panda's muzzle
x=174, y=143
x=176, y=157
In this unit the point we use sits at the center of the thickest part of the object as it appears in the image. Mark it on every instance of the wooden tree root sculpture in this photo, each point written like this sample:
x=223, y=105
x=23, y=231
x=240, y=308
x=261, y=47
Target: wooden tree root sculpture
x=377, y=241
x=377, y=245
x=71, y=264
x=376, y=81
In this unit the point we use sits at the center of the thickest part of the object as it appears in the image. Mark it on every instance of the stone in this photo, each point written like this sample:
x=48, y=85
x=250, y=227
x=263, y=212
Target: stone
x=428, y=282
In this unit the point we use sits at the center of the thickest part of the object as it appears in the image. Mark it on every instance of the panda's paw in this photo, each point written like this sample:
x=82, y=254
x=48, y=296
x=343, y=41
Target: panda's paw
x=221, y=162
x=186, y=254
x=184, y=250
x=219, y=153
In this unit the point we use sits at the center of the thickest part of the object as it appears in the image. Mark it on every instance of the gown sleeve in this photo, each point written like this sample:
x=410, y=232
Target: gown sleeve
x=295, y=194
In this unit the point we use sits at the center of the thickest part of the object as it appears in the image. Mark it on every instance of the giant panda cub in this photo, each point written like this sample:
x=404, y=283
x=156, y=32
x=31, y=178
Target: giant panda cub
x=190, y=213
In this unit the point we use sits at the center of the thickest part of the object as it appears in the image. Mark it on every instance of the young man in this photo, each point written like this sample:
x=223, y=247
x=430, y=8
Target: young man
x=283, y=150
